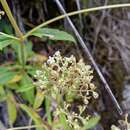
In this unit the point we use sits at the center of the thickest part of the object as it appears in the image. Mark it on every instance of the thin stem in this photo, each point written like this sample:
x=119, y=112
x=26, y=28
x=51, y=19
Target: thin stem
x=11, y=18
x=9, y=36
x=16, y=28
x=75, y=13
x=28, y=127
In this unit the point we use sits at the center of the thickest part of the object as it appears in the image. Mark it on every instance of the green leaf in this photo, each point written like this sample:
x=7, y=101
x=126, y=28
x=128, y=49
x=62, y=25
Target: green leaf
x=2, y=94
x=6, y=40
x=29, y=50
x=38, y=99
x=53, y=34
x=36, y=118
x=22, y=54
x=6, y=27
x=27, y=88
x=26, y=50
x=48, y=110
x=6, y=76
x=11, y=105
x=3, y=70
x=63, y=121
x=91, y=123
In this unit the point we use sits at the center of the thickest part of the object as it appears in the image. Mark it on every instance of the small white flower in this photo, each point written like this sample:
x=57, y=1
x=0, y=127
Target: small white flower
x=95, y=95
x=86, y=101
x=51, y=60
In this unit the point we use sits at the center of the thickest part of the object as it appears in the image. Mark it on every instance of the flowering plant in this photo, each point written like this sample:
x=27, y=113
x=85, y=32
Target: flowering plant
x=66, y=82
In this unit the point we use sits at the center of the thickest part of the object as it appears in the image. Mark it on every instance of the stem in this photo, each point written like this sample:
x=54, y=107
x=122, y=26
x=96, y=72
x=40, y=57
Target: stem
x=75, y=13
x=11, y=18
x=16, y=28
x=9, y=36
x=28, y=127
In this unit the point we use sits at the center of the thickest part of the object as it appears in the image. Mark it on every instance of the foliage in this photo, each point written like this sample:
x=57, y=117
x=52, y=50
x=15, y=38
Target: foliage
x=17, y=75
x=61, y=82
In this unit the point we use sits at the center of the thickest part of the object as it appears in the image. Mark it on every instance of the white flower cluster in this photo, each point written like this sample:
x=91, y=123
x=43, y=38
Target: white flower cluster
x=65, y=75
x=66, y=81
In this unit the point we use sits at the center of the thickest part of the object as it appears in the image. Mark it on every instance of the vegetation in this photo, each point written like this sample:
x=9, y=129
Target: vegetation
x=54, y=95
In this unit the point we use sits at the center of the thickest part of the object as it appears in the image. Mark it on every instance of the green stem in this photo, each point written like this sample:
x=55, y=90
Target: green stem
x=9, y=36
x=75, y=13
x=11, y=18
x=28, y=127
x=16, y=28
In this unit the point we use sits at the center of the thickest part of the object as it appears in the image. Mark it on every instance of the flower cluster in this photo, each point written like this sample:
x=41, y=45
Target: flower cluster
x=66, y=76
x=67, y=81
x=123, y=124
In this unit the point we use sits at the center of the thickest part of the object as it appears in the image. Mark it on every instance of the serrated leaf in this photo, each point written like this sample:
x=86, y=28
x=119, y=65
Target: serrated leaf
x=11, y=105
x=91, y=123
x=53, y=34
x=38, y=99
x=35, y=117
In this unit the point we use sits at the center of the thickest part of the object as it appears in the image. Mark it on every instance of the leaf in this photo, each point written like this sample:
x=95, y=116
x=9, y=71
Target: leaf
x=38, y=99
x=6, y=27
x=91, y=123
x=27, y=88
x=29, y=49
x=5, y=41
x=63, y=121
x=11, y=105
x=3, y=70
x=6, y=77
x=15, y=79
x=35, y=117
x=22, y=54
x=26, y=50
x=53, y=34
x=48, y=110
x=2, y=94
x=13, y=86
x=32, y=71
